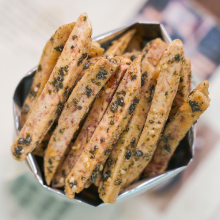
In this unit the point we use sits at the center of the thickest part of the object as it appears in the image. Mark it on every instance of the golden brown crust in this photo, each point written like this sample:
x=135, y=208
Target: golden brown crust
x=55, y=92
x=107, y=133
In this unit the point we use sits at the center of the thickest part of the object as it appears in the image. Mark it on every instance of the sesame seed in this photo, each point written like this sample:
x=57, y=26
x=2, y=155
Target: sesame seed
x=108, y=90
x=164, y=66
x=72, y=180
x=61, y=180
x=36, y=89
x=122, y=172
x=101, y=168
x=87, y=164
x=152, y=132
x=155, y=110
x=157, y=126
x=74, y=147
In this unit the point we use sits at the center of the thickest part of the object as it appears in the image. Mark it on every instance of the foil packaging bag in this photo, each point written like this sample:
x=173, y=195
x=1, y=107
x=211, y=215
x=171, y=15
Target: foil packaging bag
x=180, y=160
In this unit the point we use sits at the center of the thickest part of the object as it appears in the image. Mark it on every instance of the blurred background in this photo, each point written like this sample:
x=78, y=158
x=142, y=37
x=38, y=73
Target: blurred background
x=26, y=25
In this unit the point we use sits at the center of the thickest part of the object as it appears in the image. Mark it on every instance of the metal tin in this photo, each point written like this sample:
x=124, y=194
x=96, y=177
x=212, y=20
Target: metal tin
x=180, y=160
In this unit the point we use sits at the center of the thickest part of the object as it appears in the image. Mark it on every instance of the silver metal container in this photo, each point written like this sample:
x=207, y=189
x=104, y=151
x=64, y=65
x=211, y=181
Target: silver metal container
x=180, y=160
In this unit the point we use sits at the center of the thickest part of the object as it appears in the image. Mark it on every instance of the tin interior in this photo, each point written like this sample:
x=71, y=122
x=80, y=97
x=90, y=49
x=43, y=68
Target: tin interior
x=179, y=161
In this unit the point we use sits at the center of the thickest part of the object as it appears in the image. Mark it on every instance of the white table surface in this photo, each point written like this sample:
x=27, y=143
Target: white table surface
x=25, y=26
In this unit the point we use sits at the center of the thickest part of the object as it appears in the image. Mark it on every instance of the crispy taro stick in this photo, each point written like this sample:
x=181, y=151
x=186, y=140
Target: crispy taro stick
x=49, y=57
x=189, y=78
x=55, y=92
x=97, y=180
x=98, y=177
x=118, y=46
x=94, y=117
x=197, y=102
x=95, y=50
x=169, y=69
x=154, y=50
x=39, y=150
x=153, y=53
x=108, y=131
x=183, y=89
x=136, y=44
x=75, y=108
x=132, y=55
x=118, y=162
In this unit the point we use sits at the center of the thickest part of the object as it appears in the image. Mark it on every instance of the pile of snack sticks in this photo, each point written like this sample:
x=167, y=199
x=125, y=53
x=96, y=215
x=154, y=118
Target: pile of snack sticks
x=107, y=117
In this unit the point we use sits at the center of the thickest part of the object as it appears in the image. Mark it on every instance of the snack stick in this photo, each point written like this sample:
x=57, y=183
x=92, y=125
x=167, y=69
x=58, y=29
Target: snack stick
x=189, y=79
x=98, y=175
x=176, y=130
x=107, y=133
x=132, y=55
x=202, y=87
x=156, y=53
x=87, y=185
x=96, y=50
x=118, y=162
x=55, y=92
x=98, y=179
x=169, y=69
x=49, y=57
x=39, y=150
x=94, y=117
x=185, y=78
x=154, y=50
x=118, y=46
x=89, y=63
x=75, y=108
x=135, y=44
x=183, y=90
